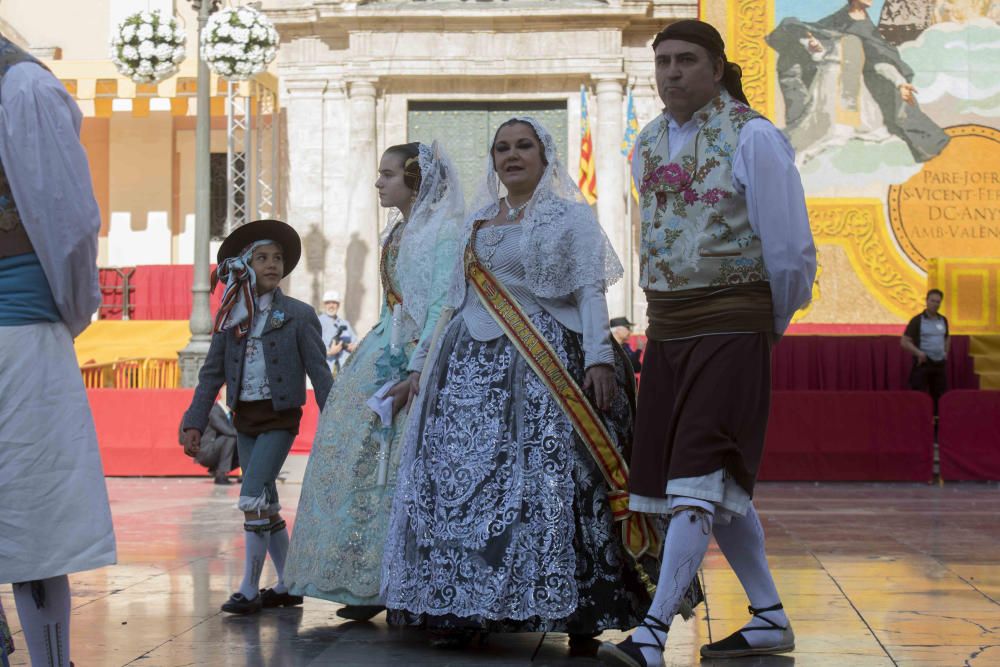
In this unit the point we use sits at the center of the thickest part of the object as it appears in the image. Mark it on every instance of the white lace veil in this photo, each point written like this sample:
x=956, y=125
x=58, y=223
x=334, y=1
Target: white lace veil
x=563, y=247
x=434, y=226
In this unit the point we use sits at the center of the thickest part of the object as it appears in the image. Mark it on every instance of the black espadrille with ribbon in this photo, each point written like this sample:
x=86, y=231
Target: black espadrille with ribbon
x=737, y=646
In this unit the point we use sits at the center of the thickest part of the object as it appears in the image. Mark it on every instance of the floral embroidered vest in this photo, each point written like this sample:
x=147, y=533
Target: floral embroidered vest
x=695, y=227
x=13, y=238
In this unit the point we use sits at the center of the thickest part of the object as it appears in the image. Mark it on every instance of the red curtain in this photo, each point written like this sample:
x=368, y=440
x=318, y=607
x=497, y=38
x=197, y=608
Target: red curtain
x=157, y=292
x=849, y=436
x=164, y=292
x=969, y=435
x=112, y=283
x=858, y=363
x=854, y=363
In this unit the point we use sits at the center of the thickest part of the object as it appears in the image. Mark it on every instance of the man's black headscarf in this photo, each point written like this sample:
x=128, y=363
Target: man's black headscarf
x=707, y=37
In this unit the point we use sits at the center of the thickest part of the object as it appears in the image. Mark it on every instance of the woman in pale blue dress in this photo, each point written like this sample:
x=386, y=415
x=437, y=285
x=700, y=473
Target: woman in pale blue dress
x=343, y=514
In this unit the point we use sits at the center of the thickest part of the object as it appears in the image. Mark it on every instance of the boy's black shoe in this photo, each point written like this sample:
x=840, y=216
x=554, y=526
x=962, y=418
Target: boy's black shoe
x=237, y=604
x=269, y=599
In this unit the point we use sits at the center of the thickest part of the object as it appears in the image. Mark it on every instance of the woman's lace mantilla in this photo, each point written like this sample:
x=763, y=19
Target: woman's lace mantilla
x=434, y=221
x=564, y=248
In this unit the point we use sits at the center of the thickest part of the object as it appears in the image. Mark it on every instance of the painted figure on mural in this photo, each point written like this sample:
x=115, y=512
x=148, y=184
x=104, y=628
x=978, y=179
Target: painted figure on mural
x=840, y=79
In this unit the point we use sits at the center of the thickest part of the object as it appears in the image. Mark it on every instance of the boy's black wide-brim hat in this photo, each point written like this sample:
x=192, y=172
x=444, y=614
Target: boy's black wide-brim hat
x=258, y=230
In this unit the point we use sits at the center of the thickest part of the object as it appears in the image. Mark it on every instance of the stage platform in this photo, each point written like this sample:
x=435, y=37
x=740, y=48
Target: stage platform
x=872, y=575
x=812, y=435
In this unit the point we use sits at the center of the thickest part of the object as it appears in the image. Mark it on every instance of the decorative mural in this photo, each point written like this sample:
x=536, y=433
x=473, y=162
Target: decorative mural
x=893, y=107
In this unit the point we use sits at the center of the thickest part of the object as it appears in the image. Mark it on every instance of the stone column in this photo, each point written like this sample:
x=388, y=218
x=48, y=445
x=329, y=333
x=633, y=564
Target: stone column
x=362, y=291
x=337, y=169
x=304, y=112
x=192, y=357
x=647, y=106
x=611, y=184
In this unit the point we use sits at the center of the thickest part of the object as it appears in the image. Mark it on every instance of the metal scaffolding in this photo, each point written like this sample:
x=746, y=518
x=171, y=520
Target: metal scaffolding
x=266, y=162
x=252, y=152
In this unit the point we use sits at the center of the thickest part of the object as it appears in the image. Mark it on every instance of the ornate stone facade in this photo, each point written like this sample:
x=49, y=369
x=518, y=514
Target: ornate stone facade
x=349, y=72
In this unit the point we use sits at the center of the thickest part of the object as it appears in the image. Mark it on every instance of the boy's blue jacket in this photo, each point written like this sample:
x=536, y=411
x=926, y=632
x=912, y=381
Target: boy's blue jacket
x=293, y=347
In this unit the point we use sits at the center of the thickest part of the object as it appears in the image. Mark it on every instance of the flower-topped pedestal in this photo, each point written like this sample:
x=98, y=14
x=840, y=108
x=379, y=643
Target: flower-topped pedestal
x=148, y=47
x=238, y=43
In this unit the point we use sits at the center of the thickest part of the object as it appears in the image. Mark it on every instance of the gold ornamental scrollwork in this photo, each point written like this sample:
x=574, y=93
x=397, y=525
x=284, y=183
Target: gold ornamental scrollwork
x=749, y=23
x=859, y=226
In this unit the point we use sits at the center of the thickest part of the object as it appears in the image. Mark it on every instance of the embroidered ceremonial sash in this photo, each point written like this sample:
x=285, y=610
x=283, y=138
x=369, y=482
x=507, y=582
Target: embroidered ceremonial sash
x=638, y=531
x=392, y=297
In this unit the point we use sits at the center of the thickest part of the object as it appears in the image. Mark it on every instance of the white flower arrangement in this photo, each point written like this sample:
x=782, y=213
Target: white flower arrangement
x=148, y=47
x=238, y=43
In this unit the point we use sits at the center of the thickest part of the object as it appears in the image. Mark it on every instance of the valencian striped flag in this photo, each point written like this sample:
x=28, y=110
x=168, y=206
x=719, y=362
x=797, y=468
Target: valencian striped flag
x=628, y=141
x=588, y=172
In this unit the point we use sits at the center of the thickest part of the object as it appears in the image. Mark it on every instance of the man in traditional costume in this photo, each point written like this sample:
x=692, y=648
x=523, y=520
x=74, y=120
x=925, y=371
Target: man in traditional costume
x=726, y=258
x=54, y=513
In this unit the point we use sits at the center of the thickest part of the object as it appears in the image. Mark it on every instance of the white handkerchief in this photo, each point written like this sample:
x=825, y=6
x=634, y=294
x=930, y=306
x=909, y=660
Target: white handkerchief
x=382, y=404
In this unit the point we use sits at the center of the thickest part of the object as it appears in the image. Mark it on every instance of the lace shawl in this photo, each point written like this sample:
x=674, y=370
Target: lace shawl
x=563, y=246
x=434, y=225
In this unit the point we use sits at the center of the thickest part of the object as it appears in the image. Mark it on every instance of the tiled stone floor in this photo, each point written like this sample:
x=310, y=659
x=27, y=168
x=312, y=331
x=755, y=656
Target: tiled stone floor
x=871, y=574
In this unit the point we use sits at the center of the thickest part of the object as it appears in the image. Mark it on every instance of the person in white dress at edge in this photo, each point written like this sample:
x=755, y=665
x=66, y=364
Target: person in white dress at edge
x=54, y=512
